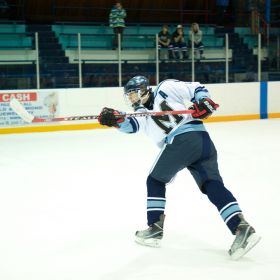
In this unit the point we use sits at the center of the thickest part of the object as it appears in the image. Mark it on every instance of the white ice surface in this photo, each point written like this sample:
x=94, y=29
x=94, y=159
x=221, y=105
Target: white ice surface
x=70, y=203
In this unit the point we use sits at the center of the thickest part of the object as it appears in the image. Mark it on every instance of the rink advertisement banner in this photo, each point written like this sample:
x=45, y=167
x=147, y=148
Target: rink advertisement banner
x=238, y=101
x=42, y=104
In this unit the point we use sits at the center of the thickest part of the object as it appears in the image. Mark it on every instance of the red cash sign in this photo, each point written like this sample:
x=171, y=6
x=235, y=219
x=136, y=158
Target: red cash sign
x=21, y=96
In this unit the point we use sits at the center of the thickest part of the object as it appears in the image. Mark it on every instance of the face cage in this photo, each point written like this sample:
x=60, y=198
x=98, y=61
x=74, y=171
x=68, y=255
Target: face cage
x=139, y=97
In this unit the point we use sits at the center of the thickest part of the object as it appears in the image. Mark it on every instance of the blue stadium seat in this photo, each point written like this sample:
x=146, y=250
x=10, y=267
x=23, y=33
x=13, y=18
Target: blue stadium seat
x=138, y=42
x=83, y=29
x=213, y=41
x=242, y=30
x=67, y=35
x=245, y=34
x=251, y=41
x=12, y=28
x=70, y=41
x=149, y=30
x=11, y=41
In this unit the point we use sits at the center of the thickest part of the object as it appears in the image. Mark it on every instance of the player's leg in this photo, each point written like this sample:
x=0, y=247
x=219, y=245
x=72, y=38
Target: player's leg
x=155, y=211
x=227, y=205
x=168, y=163
x=206, y=173
x=155, y=214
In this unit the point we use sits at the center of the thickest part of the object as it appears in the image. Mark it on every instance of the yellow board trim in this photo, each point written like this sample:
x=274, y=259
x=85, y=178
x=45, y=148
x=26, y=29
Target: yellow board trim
x=83, y=126
x=233, y=118
x=274, y=115
x=49, y=128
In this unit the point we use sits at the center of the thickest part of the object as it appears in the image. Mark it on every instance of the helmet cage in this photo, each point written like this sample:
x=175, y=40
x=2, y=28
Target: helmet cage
x=135, y=97
x=136, y=90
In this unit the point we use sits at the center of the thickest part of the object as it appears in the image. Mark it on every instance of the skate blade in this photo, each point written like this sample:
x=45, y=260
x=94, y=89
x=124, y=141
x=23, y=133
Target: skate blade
x=251, y=242
x=150, y=242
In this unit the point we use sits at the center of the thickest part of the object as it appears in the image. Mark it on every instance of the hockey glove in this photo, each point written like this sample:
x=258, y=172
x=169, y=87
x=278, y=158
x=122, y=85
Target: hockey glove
x=110, y=117
x=203, y=108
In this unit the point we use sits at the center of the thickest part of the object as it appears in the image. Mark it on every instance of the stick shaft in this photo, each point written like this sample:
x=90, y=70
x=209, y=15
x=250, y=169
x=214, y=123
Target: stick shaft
x=94, y=117
x=21, y=111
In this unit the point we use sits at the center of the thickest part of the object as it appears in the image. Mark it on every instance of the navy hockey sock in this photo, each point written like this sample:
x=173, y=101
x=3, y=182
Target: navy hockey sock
x=225, y=202
x=155, y=199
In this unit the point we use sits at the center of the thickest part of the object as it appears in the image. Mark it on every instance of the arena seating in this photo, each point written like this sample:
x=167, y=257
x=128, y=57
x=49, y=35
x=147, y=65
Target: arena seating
x=13, y=36
x=59, y=56
x=100, y=37
x=12, y=28
x=17, y=56
x=15, y=41
x=248, y=38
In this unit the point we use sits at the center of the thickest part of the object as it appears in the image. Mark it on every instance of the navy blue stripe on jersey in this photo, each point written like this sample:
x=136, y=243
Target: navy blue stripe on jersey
x=156, y=90
x=134, y=123
x=199, y=89
x=201, y=92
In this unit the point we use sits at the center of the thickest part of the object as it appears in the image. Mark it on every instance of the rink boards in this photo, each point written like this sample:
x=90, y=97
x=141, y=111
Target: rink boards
x=238, y=101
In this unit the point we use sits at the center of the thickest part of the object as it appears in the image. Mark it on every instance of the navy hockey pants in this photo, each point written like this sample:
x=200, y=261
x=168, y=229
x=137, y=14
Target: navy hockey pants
x=196, y=152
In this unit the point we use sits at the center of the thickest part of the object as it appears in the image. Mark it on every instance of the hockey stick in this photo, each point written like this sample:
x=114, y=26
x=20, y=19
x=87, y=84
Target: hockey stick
x=26, y=116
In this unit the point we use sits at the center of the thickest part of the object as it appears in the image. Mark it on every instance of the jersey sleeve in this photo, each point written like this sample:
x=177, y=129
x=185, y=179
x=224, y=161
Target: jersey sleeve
x=188, y=91
x=132, y=124
x=200, y=92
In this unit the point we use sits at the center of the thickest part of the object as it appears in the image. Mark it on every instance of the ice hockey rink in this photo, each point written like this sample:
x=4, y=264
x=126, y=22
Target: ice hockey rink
x=71, y=202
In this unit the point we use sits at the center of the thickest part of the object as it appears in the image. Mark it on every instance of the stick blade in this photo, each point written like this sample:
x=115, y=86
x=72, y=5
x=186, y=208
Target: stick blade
x=20, y=110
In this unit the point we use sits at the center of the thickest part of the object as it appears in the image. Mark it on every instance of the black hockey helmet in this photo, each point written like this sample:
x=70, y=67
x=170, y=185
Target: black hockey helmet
x=136, y=91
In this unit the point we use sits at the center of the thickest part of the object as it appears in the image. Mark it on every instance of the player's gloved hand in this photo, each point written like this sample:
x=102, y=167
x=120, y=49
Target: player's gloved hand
x=110, y=117
x=204, y=108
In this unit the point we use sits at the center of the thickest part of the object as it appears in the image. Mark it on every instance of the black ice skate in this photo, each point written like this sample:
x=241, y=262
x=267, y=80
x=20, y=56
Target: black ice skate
x=246, y=238
x=152, y=235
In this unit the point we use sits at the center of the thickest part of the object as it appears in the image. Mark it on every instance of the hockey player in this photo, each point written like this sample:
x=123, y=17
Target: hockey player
x=184, y=143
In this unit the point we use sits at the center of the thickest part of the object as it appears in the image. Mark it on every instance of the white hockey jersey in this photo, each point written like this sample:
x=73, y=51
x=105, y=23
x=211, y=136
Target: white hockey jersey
x=169, y=95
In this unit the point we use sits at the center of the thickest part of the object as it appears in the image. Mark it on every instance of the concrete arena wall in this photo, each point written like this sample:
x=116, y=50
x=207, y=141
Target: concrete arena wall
x=238, y=101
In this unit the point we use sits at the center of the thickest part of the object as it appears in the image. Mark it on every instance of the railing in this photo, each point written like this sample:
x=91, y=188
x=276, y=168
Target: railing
x=17, y=59
x=89, y=65
x=143, y=55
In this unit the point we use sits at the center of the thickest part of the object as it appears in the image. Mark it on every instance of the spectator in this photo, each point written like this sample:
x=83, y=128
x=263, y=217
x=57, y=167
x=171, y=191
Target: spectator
x=116, y=20
x=178, y=43
x=197, y=39
x=164, y=39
